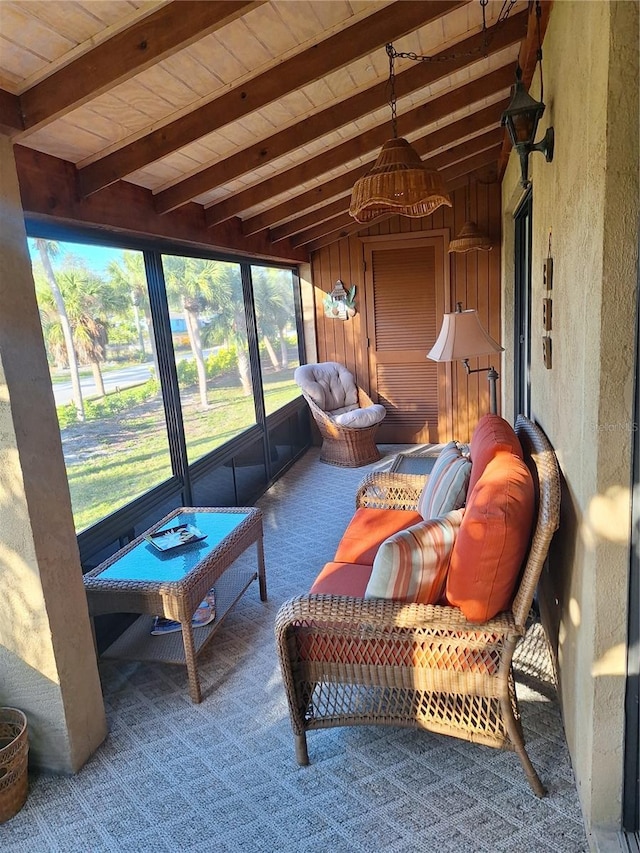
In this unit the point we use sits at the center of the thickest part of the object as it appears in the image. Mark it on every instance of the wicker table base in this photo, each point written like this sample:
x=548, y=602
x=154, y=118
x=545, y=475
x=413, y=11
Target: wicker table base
x=139, y=580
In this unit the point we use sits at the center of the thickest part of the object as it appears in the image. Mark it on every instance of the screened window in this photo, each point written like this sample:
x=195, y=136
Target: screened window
x=209, y=332
x=98, y=334
x=273, y=293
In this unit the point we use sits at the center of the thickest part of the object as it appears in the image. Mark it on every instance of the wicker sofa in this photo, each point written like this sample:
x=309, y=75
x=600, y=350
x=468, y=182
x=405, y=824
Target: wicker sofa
x=348, y=658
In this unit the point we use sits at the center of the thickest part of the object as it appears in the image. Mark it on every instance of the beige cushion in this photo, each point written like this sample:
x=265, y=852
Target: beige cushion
x=361, y=417
x=412, y=564
x=329, y=384
x=446, y=487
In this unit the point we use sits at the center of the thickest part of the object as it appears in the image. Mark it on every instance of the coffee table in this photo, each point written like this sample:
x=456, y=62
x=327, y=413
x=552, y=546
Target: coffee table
x=416, y=462
x=141, y=579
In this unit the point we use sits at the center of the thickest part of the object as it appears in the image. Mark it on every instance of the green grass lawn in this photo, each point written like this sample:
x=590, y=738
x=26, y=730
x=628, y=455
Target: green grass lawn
x=114, y=460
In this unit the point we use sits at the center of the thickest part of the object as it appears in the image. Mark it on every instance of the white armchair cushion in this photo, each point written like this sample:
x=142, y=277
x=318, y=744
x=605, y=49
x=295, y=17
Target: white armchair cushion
x=358, y=418
x=329, y=384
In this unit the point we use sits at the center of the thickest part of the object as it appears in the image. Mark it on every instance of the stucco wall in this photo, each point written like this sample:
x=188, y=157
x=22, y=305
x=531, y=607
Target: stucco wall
x=47, y=661
x=587, y=200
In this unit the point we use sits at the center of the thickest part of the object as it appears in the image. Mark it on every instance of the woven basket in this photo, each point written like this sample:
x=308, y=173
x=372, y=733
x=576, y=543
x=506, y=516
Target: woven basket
x=14, y=749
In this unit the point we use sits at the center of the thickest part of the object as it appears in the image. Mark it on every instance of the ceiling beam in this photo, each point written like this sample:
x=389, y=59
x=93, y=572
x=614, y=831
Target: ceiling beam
x=10, y=113
x=369, y=141
x=446, y=136
x=416, y=77
x=333, y=53
x=441, y=161
x=171, y=28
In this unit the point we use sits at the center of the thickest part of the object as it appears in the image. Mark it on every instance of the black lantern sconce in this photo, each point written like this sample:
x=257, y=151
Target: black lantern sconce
x=522, y=116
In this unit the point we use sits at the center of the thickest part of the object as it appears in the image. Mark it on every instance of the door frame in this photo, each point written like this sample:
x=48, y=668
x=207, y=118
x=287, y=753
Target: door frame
x=523, y=228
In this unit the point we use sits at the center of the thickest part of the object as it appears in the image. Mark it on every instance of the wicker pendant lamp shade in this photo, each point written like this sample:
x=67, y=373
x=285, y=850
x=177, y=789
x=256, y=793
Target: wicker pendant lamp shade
x=470, y=239
x=399, y=182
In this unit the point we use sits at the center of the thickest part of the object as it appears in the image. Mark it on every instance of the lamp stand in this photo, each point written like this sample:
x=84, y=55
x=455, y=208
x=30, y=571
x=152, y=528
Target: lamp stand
x=492, y=376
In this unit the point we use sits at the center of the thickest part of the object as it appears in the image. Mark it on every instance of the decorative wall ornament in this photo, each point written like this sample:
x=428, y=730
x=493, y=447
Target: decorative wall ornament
x=340, y=303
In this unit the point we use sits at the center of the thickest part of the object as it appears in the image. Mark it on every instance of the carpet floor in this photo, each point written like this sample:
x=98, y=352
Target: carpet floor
x=221, y=776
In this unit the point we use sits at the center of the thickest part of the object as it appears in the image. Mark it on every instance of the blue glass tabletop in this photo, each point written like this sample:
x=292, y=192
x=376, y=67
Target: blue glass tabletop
x=146, y=563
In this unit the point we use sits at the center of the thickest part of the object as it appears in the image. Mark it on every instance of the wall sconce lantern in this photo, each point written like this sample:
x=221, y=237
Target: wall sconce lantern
x=521, y=120
x=523, y=114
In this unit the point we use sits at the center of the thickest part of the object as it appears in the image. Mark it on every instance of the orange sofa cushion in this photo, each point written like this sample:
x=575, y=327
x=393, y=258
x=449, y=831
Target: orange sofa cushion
x=492, y=540
x=368, y=529
x=342, y=579
x=491, y=435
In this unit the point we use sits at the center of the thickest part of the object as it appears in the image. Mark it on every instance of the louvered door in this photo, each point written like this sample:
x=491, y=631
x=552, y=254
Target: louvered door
x=405, y=295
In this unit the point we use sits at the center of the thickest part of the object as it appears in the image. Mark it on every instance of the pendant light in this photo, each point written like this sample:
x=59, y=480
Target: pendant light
x=470, y=238
x=399, y=182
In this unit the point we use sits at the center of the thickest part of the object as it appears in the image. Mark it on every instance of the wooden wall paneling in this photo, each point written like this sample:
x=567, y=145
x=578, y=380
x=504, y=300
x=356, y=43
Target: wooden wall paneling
x=356, y=259
x=335, y=326
x=321, y=275
x=347, y=327
x=480, y=268
x=474, y=280
x=494, y=224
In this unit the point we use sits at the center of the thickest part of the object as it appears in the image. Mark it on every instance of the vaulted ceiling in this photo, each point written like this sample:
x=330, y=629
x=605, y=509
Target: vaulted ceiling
x=254, y=119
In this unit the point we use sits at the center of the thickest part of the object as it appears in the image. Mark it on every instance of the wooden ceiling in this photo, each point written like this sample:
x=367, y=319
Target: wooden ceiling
x=256, y=117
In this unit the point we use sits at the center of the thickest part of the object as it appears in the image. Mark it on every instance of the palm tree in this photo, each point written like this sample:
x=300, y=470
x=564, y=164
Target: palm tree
x=274, y=308
x=130, y=274
x=46, y=250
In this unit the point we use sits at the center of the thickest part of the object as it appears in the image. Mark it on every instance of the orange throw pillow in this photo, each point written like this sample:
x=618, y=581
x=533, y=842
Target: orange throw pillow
x=493, y=539
x=368, y=529
x=491, y=435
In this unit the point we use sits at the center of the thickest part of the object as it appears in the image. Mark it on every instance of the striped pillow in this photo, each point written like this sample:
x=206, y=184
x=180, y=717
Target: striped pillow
x=412, y=564
x=446, y=486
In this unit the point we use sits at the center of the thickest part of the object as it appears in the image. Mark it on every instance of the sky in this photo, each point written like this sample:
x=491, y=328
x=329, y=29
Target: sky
x=97, y=258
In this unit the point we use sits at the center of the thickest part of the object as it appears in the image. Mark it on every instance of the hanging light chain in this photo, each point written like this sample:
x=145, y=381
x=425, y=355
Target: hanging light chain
x=489, y=34
x=392, y=90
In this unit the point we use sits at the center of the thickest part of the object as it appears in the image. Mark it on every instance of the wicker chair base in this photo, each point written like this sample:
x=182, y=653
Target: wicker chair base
x=351, y=452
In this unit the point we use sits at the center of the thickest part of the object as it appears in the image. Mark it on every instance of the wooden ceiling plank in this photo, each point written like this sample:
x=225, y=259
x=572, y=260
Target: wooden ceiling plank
x=444, y=137
x=173, y=27
x=372, y=139
x=300, y=223
x=416, y=77
x=313, y=222
x=343, y=220
x=334, y=52
x=471, y=164
x=346, y=231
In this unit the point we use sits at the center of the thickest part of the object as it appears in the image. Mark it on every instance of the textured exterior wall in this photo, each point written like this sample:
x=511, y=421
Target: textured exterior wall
x=587, y=199
x=47, y=660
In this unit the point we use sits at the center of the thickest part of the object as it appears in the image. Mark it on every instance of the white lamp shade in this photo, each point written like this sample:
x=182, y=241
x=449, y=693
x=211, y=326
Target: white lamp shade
x=462, y=336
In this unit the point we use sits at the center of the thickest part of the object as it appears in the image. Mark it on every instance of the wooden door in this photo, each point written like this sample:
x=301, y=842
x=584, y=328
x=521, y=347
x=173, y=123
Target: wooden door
x=406, y=284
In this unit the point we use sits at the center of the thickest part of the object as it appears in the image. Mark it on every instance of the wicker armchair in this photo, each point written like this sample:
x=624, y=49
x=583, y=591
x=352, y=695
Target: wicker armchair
x=349, y=661
x=346, y=417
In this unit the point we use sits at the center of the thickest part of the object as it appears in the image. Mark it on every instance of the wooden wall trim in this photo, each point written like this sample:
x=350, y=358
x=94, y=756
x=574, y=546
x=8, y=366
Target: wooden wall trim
x=49, y=194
